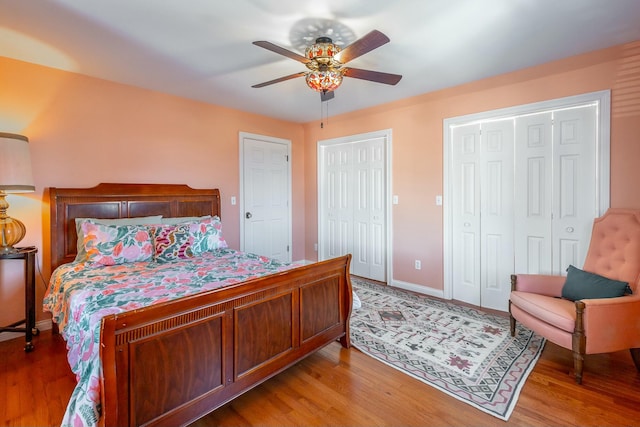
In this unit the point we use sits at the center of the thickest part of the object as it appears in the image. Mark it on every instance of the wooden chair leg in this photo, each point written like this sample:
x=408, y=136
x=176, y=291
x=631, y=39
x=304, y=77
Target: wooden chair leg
x=512, y=326
x=579, y=342
x=512, y=320
x=635, y=355
x=578, y=366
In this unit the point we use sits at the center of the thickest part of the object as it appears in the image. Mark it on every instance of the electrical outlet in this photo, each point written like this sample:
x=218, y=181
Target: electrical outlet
x=233, y=200
x=418, y=264
x=315, y=247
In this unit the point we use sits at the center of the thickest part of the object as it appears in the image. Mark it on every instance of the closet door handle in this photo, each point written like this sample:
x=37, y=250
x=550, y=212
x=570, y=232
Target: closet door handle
x=248, y=215
x=569, y=229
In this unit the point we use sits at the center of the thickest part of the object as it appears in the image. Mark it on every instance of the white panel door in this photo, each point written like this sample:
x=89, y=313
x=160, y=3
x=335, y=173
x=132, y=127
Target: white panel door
x=483, y=213
x=369, y=253
x=337, y=200
x=574, y=198
x=352, y=202
x=496, y=210
x=534, y=183
x=559, y=184
x=266, y=212
x=556, y=170
x=466, y=161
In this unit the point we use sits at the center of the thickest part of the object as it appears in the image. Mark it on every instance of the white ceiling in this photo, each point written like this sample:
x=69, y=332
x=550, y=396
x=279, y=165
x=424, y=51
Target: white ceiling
x=201, y=49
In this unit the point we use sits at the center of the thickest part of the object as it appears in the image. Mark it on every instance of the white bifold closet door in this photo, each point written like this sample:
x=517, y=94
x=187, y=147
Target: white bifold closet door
x=556, y=201
x=353, y=202
x=483, y=212
x=524, y=200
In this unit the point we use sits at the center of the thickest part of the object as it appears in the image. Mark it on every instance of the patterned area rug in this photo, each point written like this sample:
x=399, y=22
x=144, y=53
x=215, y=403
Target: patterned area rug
x=463, y=352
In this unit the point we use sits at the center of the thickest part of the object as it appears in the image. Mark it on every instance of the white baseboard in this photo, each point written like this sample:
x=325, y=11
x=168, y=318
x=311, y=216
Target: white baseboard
x=42, y=325
x=437, y=293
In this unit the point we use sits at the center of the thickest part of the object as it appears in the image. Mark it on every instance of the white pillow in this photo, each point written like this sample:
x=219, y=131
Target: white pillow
x=356, y=301
x=182, y=219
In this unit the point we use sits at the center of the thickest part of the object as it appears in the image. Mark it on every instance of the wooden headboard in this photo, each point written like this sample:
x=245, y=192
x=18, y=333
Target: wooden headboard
x=120, y=201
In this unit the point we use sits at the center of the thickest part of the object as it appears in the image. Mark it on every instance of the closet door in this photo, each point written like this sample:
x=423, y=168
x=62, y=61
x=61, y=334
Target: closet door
x=466, y=163
x=559, y=183
x=556, y=201
x=497, y=212
x=369, y=254
x=534, y=183
x=337, y=200
x=574, y=201
x=483, y=213
x=353, y=201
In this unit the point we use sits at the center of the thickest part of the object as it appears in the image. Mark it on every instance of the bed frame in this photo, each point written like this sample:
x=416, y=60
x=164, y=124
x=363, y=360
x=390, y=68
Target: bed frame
x=172, y=363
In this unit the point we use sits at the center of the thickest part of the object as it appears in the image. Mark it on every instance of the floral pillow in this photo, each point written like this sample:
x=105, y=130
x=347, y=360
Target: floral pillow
x=207, y=234
x=116, y=244
x=173, y=242
x=81, y=255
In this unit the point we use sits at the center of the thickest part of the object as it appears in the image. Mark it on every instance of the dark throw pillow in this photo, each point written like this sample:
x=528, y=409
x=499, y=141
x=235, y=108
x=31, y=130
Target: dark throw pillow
x=584, y=285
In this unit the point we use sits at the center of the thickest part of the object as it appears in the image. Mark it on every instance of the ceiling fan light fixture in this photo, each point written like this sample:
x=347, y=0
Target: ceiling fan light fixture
x=326, y=63
x=324, y=81
x=322, y=51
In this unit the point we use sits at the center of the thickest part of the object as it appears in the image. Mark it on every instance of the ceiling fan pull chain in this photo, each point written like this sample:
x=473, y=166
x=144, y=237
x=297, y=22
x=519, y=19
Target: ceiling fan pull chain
x=324, y=113
x=327, y=112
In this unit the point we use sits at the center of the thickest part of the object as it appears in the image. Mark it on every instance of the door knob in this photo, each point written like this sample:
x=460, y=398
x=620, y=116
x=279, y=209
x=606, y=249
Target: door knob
x=248, y=215
x=569, y=229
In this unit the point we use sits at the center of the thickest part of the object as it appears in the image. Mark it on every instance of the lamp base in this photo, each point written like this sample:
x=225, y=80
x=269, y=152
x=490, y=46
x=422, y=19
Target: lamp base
x=11, y=229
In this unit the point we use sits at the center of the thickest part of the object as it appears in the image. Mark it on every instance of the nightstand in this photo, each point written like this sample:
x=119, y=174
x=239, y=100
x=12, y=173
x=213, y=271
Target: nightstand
x=29, y=256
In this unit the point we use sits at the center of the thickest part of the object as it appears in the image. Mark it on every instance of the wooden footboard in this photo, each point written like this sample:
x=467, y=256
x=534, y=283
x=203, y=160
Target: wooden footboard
x=172, y=363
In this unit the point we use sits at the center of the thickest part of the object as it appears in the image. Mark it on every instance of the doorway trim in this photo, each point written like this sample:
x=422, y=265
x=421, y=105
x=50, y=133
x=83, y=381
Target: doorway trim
x=386, y=134
x=603, y=132
x=270, y=139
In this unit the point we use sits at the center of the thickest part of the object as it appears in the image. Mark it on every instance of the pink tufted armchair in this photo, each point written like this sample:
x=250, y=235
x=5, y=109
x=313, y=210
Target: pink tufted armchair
x=588, y=326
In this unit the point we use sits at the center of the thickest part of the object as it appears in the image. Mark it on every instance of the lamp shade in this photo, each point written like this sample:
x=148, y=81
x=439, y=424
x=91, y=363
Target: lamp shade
x=15, y=164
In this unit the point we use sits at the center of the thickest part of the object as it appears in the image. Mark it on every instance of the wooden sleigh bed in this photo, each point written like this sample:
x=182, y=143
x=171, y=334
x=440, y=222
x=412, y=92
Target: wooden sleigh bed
x=172, y=363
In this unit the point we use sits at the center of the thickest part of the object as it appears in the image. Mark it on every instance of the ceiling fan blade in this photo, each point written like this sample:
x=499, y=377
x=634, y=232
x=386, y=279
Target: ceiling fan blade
x=374, y=76
x=281, y=79
x=326, y=96
x=282, y=51
x=367, y=43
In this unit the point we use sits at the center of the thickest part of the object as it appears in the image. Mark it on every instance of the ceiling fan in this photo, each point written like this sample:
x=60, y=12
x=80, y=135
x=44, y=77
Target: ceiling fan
x=326, y=63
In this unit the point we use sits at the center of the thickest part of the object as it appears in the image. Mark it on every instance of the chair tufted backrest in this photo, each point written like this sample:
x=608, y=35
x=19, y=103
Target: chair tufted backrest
x=614, y=251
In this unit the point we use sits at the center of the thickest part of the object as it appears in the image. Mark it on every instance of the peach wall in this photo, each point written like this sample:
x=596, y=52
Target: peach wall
x=84, y=131
x=417, y=157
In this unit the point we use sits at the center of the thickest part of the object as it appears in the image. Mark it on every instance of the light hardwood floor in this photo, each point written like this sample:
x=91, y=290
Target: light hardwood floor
x=336, y=386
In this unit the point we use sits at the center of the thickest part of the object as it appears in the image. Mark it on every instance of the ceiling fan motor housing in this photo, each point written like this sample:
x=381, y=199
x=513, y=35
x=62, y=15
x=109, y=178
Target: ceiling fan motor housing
x=322, y=52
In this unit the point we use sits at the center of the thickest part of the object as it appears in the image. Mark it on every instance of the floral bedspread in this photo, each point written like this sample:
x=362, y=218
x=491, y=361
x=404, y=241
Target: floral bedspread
x=80, y=297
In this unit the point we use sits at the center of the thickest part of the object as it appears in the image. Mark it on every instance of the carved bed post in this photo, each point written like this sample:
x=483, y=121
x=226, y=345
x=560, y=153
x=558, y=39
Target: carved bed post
x=579, y=342
x=635, y=355
x=512, y=320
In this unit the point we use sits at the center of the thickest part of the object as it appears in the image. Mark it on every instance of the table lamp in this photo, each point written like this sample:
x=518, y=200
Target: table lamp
x=15, y=177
